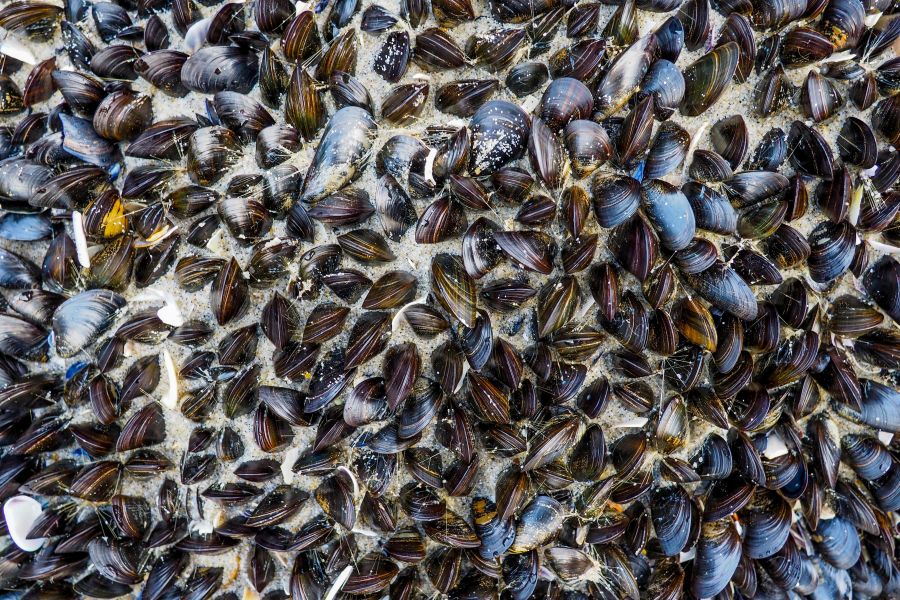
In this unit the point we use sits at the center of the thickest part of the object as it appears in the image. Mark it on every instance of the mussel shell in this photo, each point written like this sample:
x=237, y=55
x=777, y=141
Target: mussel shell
x=463, y=97
x=803, y=46
x=881, y=283
x=725, y=289
x=404, y=103
x=694, y=15
x=623, y=79
x=376, y=19
x=588, y=146
x=665, y=83
x=831, y=250
x=885, y=117
x=565, y=99
x=344, y=144
x=210, y=152
x=340, y=56
x=669, y=212
x=122, y=115
x=496, y=48
x=220, y=68
x=819, y=98
x=615, y=199
x=717, y=556
x=671, y=515
x=668, y=150
x=730, y=139
x=164, y=140
x=499, y=135
x=436, y=51
x=737, y=29
x=526, y=78
x=115, y=62
x=81, y=141
x=162, y=68
x=392, y=58
x=301, y=37
x=304, y=108
x=708, y=78
x=79, y=321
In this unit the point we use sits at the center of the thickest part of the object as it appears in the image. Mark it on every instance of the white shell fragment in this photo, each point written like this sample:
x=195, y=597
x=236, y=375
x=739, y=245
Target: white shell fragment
x=81, y=247
x=15, y=49
x=287, y=464
x=339, y=583
x=170, y=313
x=170, y=399
x=775, y=447
x=20, y=514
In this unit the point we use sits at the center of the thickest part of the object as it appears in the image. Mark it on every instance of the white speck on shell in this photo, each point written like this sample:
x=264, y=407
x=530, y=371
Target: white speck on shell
x=20, y=514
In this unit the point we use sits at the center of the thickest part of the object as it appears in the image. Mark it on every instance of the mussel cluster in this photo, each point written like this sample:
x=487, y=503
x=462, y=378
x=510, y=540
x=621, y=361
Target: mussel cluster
x=495, y=299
